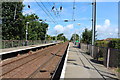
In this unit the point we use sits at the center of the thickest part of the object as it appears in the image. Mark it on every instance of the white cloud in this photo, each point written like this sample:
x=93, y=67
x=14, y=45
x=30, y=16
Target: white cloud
x=66, y=30
x=106, y=31
x=107, y=22
x=49, y=27
x=116, y=30
x=30, y=11
x=59, y=28
x=98, y=27
x=69, y=26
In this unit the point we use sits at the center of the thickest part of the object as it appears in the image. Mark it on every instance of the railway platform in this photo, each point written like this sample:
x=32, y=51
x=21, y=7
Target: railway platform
x=80, y=65
x=16, y=49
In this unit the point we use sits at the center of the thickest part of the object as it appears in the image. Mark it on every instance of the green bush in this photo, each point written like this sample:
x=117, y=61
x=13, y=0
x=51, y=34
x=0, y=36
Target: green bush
x=114, y=43
x=118, y=70
x=102, y=43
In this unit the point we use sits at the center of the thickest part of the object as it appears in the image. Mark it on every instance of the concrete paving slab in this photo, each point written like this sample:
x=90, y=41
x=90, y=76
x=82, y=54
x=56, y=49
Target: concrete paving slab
x=105, y=72
x=78, y=66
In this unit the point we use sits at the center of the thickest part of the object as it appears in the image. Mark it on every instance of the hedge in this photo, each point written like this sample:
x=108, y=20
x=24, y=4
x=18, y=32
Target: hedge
x=114, y=43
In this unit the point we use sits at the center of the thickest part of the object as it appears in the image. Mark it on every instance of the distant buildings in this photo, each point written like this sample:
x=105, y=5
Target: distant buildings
x=107, y=39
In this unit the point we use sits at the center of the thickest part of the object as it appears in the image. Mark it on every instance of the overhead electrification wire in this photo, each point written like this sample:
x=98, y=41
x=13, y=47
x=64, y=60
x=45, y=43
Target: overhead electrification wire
x=48, y=11
x=73, y=11
x=32, y=10
x=71, y=20
x=45, y=11
x=49, y=4
x=51, y=7
x=55, y=10
x=58, y=13
x=61, y=8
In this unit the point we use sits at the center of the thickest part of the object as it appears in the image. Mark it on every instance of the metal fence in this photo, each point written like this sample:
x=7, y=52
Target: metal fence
x=109, y=57
x=18, y=43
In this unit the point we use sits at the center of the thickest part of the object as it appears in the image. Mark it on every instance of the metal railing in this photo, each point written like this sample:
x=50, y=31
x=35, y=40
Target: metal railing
x=110, y=57
x=18, y=43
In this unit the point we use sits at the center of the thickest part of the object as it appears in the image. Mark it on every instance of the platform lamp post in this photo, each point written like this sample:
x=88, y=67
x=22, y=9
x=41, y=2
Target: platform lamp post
x=56, y=35
x=26, y=34
x=46, y=36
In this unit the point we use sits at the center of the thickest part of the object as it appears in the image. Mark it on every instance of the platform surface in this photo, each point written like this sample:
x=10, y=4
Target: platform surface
x=78, y=65
x=15, y=49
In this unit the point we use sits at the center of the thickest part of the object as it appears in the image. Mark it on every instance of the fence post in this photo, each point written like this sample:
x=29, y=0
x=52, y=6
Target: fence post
x=97, y=55
x=108, y=58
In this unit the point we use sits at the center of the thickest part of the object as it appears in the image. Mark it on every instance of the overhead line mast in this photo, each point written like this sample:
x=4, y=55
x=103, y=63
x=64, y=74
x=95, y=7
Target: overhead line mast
x=93, y=25
x=93, y=21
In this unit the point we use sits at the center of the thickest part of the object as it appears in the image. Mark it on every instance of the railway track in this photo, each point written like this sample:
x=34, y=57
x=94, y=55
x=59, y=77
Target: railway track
x=35, y=65
x=8, y=66
x=48, y=68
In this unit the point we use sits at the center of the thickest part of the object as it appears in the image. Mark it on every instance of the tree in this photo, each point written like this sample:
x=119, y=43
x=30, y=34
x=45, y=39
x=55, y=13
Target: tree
x=43, y=31
x=87, y=36
x=36, y=29
x=12, y=23
x=48, y=37
x=53, y=37
x=61, y=37
x=65, y=39
x=75, y=37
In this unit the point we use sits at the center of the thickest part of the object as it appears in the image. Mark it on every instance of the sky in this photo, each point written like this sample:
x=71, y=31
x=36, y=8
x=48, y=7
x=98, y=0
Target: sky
x=107, y=17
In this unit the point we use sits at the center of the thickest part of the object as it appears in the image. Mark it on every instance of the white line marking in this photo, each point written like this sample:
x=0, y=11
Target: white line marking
x=65, y=64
